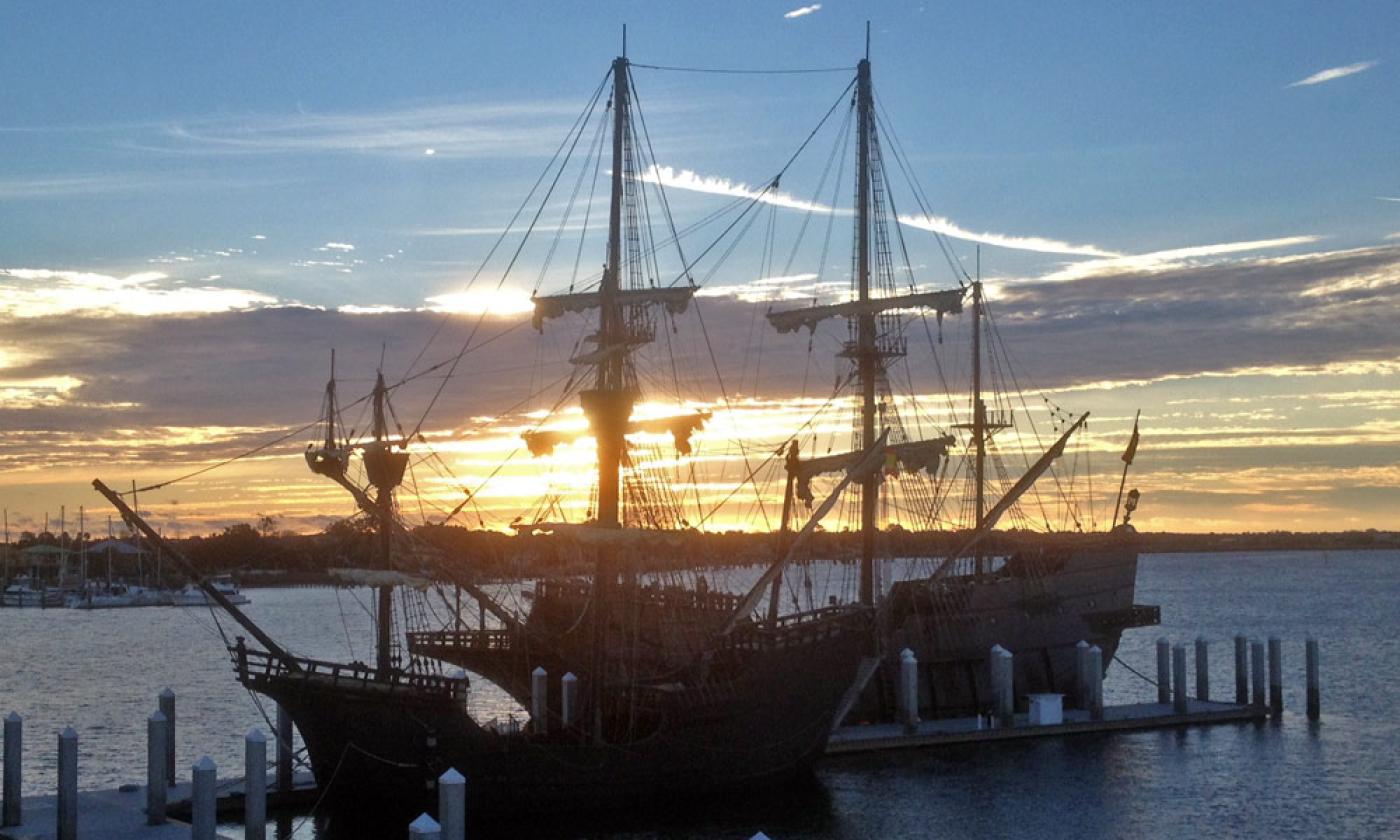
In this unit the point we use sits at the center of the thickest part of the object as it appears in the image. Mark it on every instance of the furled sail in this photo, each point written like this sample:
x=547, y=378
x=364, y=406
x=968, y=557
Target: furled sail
x=680, y=426
x=912, y=456
x=675, y=299
x=945, y=302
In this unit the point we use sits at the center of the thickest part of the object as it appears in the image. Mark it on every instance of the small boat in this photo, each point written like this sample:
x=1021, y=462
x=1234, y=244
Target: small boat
x=23, y=592
x=118, y=596
x=193, y=596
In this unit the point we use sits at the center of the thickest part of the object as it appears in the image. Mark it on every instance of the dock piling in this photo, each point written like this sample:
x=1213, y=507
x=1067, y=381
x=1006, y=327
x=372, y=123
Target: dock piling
x=12, y=814
x=203, y=800
x=452, y=805
x=284, y=750
x=424, y=828
x=1081, y=675
x=1003, y=694
x=167, y=708
x=1095, y=659
x=1164, y=670
x=1241, y=670
x=568, y=699
x=1256, y=671
x=1275, y=677
x=908, y=689
x=68, y=784
x=539, y=700
x=1314, y=686
x=1202, y=668
x=255, y=785
x=1179, y=696
x=156, y=790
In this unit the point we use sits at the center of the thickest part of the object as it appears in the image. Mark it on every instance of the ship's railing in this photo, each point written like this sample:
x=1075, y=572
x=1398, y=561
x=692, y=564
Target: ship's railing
x=254, y=666
x=798, y=629
x=497, y=640
x=650, y=594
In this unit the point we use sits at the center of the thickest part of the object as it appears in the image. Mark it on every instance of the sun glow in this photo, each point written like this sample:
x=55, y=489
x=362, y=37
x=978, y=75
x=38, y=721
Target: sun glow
x=499, y=302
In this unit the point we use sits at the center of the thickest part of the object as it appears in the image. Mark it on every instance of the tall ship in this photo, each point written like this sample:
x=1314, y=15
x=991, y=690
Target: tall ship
x=922, y=546
x=733, y=703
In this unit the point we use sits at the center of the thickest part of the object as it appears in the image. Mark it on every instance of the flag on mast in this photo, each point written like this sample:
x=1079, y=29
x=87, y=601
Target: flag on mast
x=1132, y=444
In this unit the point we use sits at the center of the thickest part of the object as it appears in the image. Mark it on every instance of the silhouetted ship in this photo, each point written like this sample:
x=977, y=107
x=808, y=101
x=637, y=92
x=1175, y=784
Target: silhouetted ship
x=739, y=703
x=1036, y=595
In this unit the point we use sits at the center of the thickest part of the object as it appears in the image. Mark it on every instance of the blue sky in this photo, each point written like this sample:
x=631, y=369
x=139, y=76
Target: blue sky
x=1132, y=128
x=1193, y=209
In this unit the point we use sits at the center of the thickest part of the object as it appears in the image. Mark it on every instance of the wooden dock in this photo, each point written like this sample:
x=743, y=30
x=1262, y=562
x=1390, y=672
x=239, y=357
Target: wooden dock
x=121, y=814
x=935, y=733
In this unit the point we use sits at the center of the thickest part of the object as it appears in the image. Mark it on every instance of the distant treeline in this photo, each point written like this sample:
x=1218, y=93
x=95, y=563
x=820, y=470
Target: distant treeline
x=269, y=558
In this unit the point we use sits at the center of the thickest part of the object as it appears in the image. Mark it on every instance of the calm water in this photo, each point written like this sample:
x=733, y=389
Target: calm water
x=100, y=672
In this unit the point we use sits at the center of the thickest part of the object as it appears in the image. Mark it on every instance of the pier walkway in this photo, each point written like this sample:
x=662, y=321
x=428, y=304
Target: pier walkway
x=932, y=733
x=121, y=814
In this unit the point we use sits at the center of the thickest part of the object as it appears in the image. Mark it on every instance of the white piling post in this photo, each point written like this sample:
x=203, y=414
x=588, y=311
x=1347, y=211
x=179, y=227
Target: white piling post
x=1003, y=691
x=255, y=785
x=1241, y=670
x=452, y=805
x=1202, y=668
x=12, y=813
x=1164, y=670
x=1275, y=677
x=68, y=784
x=539, y=700
x=908, y=689
x=156, y=790
x=1314, y=684
x=1256, y=671
x=424, y=828
x=1179, y=696
x=1081, y=675
x=202, y=800
x=568, y=696
x=284, y=750
x=167, y=708
x=1095, y=659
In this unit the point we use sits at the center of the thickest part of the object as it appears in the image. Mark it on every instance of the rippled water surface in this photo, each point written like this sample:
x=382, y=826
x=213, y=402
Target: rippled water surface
x=100, y=672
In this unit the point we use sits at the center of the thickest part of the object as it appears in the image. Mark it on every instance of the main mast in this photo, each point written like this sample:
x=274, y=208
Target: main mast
x=609, y=404
x=979, y=413
x=868, y=360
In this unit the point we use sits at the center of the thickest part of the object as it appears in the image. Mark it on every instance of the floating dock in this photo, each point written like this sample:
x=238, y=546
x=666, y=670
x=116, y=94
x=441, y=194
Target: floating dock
x=121, y=814
x=944, y=732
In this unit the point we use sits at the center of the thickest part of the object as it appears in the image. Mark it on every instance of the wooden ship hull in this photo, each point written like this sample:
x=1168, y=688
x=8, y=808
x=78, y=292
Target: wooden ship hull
x=1039, y=606
x=757, y=711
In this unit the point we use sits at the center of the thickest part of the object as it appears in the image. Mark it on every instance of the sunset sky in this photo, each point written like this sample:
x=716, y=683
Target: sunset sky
x=1188, y=209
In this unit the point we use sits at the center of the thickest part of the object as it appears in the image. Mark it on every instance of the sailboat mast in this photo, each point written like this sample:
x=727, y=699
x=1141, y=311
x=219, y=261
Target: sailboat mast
x=866, y=351
x=384, y=501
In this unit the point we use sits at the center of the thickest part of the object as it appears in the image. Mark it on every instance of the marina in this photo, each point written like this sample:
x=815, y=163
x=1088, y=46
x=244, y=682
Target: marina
x=759, y=423
x=135, y=812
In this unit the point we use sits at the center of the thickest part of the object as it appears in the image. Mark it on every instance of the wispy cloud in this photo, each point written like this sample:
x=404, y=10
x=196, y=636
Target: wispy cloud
x=1395, y=235
x=65, y=186
x=1332, y=73
x=685, y=179
x=1174, y=257
x=1387, y=198
x=43, y=292
x=449, y=130
x=803, y=11
x=1039, y=244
